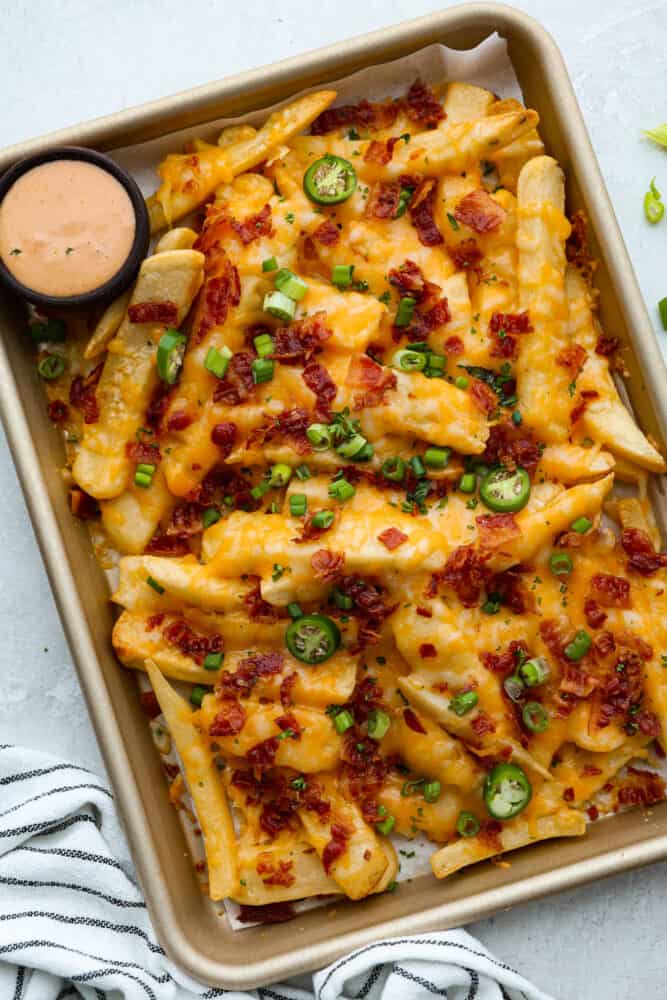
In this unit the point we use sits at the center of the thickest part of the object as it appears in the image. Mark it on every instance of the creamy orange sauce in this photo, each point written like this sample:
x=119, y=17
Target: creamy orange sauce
x=66, y=227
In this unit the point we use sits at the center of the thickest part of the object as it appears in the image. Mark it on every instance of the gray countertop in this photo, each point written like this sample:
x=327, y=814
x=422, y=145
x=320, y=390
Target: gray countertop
x=67, y=60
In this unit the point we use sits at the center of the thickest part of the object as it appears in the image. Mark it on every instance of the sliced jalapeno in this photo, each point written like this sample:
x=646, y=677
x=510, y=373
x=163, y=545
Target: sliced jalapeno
x=170, y=353
x=507, y=791
x=330, y=180
x=505, y=490
x=312, y=638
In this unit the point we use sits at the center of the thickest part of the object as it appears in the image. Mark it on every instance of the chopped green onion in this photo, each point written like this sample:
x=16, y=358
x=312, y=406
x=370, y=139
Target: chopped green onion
x=217, y=361
x=280, y=475
x=341, y=275
x=341, y=490
x=302, y=472
x=298, y=504
x=290, y=284
x=658, y=134
x=198, y=694
x=406, y=308
x=461, y=382
x=51, y=367
x=319, y=436
x=468, y=482
x=393, y=469
x=170, y=352
x=298, y=784
x=467, y=825
x=262, y=370
x=463, y=702
x=535, y=717
x=352, y=447
x=323, y=519
x=143, y=476
x=157, y=587
x=560, y=564
x=409, y=361
x=257, y=492
x=662, y=309
x=435, y=365
x=343, y=721
x=417, y=466
x=653, y=206
x=386, y=826
x=213, y=661
x=513, y=687
x=437, y=458
x=577, y=649
x=489, y=607
x=210, y=516
x=365, y=454
x=341, y=600
x=50, y=329
x=581, y=525
x=294, y=610
x=516, y=418
x=270, y=264
x=534, y=671
x=378, y=724
x=279, y=305
x=403, y=201
x=432, y=791
x=264, y=344
x=453, y=222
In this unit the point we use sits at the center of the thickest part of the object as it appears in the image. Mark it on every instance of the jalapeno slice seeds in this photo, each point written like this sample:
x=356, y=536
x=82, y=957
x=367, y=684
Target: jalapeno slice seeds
x=170, y=353
x=330, y=180
x=312, y=638
x=507, y=791
x=505, y=490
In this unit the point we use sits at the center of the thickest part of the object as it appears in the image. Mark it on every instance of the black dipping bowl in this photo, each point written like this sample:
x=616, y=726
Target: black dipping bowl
x=127, y=273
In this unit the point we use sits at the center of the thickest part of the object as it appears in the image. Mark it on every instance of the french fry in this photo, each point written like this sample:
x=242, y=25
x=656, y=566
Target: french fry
x=107, y=326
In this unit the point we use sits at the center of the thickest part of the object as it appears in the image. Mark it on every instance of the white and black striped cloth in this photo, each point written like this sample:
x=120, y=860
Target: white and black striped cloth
x=73, y=923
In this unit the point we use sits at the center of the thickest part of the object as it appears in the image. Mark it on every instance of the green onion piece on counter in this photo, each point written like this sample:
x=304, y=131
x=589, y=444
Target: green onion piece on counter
x=461, y=382
x=463, y=702
x=417, y=466
x=51, y=367
x=405, y=312
x=507, y=791
x=143, y=476
x=290, y=284
x=653, y=206
x=560, y=564
x=341, y=275
x=157, y=587
x=210, y=516
x=343, y=721
x=378, y=724
x=535, y=717
x=409, y=361
x=662, y=309
x=351, y=447
x=198, y=694
x=330, y=180
x=270, y=264
x=467, y=825
x=213, y=661
x=263, y=345
x=386, y=826
x=280, y=305
x=319, y=436
x=534, y=671
x=437, y=458
x=341, y=600
x=294, y=610
x=432, y=791
x=298, y=504
x=170, y=352
x=217, y=361
x=581, y=525
x=468, y=482
x=262, y=370
x=323, y=519
x=393, y=469
x=341, y=490
x=577, y=649
x=658, y=134
x=280, y=475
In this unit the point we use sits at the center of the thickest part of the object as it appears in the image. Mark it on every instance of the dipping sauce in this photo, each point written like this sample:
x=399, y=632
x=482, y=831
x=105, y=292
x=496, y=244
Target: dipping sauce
x=66, y=227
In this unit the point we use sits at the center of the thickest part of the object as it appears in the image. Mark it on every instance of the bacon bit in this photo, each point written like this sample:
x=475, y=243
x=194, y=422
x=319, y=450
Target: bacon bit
x=585, y=396
x=465, y=573
x=642, y=556
x=595, y=616
x=555, y=638
x=467, y=256
x=258, y=609
x=286, y=689
x=150, y=706
x=82, y=394
x=603, y=644
x=422, y=106
x=224, y=435
x=483, y=396
x=298, y=342
x=590, y=771
x=364, y=114
x=659, y=751
x=629, y=638
x=327, y=565
x=482, y=724
x=424, y=612
x=641, y=788
x=57, y=411
x=421, y=214
x=313, y=802
x=222, y=286
x=310, y=531
x=610, y=591
x=83, y=505
x=649, y=723
x=593, y=813
x=606, y=346
x=190, y=642
x=424, y=321
x=408, y=279
x=185, y=520
x=509, y=586
x=413, y=721
x=327, y=234
x=162, y=544
x=380, y=152
x=372, y=378
x=454, y=347
x=248, y=672
x=154, y=621
x=572, y=357
x=293, y=425
x=495, y=530
x=158, y=405
x=620, y=690
x=577, y=249
x=262, y=755
x=279, y=874
x=576, y=682
x=336, y=847
x=383, y=200
x=254, y=227
x=319, y=381
x=287, y=723
x=511, y=446
x=368, y=608
x=229, y=720
x=366, y=697
x=480, y=211
x=502, y=328
x=237, y=385
x=178, y=420
x=427, y=651
x=505, y=663
x=269, y=913
x=568, y=795
x=364, y=767
x=164, y=313
x=143, y=451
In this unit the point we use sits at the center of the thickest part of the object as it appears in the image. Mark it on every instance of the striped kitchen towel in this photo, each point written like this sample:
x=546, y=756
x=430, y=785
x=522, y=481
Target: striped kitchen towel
x=74, y=924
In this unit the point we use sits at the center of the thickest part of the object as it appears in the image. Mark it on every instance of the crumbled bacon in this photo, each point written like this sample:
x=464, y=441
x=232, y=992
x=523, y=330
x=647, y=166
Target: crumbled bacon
x=364, y=114
x=391, y=538
x=649, y=723
x=383, y=200
x=511, y=446
x=363, y=766
x=465, y=572
x=603, y=644
x=254, y=227
x=424, y=321
x=179, y=420
x=229, y=719
x=164, y=313
x=258, y=609
x=424, y=612
x=568, y=794
x=248, y=672
x=158, y=405
x=288, y=724
x=421, y=214
x=620, y=690
x=454, y=347
x=327, y=566
x=327, y=234
x=480, y=211
x=509, y=587
x=422, y=106
x=572, y=358
x=155, y=621
x=577, y=249
x=57, y=411
x=220, y=291
x=269, y=913
x=83, y=505
x=506, y=662
x=555, y=639
x=368, y=608
x=311, y=531
x=408, y=279
x=413, y=721
x=149, y=704
x=606, y=345
x=238, y=383
x=585, y=397
x=495, y=530
x=373, y=379
x=262, y=755
x=380, y=152
x=184, y=520
x=224, y=435
x=143, y=451
x=286, y=687
x=82, y=394
x=490, y=834
x=503, y=328
x=162, y=544
x=320, y=382
x=595, y=616
x=191, y=643
x=610, y=591
x=275, y=874
x=467, y=256
x=336, y=847
x=641, y=787
x=427, y=651
x=366, y=698
x=293, y=425
x=483, y=396
x=642, y=556
x=298, y=342
x=482, y=725
x=576, y=681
